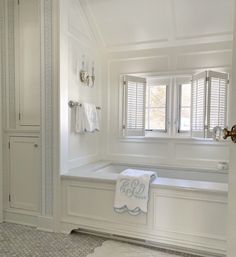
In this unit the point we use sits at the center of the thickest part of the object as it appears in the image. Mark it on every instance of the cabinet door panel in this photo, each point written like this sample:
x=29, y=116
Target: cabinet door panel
x=24, y=173
x=28, y=48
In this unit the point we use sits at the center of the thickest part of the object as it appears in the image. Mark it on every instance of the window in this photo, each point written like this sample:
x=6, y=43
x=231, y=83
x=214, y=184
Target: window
x=156, y=106
x=134, y=104
x=184, y=107
x=174, y=106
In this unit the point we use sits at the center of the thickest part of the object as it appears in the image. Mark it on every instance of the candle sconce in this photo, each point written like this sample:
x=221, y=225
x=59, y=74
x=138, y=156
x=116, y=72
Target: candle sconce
x=85, y=77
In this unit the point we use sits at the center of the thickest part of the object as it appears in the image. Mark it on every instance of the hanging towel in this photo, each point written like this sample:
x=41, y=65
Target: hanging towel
x=79, y=119
x=132, y=191
x=90, y=117
x=86, y=118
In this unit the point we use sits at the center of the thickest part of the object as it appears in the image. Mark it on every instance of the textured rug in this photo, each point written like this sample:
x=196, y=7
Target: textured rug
x=118, y=249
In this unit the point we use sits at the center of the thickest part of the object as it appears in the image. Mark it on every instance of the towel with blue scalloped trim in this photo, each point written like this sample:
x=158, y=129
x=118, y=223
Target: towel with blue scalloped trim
x=132, y=191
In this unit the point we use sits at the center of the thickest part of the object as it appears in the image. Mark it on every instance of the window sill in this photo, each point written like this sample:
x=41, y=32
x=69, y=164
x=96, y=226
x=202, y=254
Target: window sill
x=189, y=140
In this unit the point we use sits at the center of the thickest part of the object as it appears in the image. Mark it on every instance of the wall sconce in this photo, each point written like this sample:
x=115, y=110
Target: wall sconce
x=85, y=78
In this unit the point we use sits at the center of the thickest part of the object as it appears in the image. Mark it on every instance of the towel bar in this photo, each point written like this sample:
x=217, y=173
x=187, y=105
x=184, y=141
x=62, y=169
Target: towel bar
x=73, y=104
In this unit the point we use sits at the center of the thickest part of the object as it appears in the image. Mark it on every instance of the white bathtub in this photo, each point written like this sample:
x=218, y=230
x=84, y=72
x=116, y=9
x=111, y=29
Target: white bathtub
x=187, y=208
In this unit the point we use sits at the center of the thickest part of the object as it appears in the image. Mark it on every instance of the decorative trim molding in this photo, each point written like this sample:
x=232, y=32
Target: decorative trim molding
x=45, y=223
x=92, y=23
x=174, y=43
x=74, y=163
x=46, y=107
x=20, y=217
x=2, y=8
x=167, y=241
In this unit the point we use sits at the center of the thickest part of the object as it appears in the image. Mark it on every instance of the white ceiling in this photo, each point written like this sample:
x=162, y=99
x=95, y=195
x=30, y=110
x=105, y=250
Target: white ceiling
x=125, y=24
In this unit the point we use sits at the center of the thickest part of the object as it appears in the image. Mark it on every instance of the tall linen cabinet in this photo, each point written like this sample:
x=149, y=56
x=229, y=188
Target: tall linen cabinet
x=22, y=113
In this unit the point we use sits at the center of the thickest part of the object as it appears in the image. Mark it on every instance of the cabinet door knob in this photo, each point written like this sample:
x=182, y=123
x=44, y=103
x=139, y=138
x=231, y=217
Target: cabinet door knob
x=35, y=145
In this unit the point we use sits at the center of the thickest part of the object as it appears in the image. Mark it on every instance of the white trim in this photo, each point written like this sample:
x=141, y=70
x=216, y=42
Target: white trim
x=45, y=223
x=56, y=87
x=82, y=161
x=1, y=104
x=92, y=23
x=20, y=217
x=46, y=109
x=167, y=43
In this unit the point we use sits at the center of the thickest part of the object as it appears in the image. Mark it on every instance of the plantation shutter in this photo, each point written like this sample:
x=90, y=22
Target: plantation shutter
x=199, y=89
x=209, y=102
x=134, y=106
x=218, y=88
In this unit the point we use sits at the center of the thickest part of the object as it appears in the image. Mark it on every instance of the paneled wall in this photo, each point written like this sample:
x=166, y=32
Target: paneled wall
x=77, y=45
x=163, y=151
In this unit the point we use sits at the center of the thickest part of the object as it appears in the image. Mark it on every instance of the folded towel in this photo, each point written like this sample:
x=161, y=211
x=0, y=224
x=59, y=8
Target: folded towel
x=132, y=191
x=86, y=118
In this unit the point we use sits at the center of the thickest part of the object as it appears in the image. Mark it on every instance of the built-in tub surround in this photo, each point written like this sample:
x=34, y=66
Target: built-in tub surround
x=185, y=208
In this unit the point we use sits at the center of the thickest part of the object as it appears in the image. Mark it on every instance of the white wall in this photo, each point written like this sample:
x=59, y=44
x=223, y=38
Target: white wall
x=178, y=60
x=76, y=41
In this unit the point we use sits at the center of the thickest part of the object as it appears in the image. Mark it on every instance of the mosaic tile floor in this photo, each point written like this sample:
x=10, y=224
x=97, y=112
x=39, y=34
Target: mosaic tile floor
x=24, y=241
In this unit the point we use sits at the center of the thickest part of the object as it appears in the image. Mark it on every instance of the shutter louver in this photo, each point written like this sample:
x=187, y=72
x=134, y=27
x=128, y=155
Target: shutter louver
x=218, y=85
x=209, y=102
x=135, y=90
x=198, y=105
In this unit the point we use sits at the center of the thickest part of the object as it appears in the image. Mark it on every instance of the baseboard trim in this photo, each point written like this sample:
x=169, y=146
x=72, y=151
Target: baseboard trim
x=155, y=241
x=45, y=223
x=20, y=217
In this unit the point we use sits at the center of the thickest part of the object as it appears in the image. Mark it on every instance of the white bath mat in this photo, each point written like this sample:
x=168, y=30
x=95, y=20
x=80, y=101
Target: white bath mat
x=118, y=249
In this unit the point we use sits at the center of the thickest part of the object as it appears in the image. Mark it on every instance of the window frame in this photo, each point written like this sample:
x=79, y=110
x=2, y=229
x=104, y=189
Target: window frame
x=179, y=107
x=166, y=107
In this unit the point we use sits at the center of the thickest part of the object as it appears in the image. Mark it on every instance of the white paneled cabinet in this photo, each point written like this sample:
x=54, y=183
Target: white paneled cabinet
x=24, y=167
x=27, y=59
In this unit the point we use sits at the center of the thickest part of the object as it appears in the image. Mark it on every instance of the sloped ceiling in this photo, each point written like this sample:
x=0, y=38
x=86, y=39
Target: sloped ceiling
x=134, y=24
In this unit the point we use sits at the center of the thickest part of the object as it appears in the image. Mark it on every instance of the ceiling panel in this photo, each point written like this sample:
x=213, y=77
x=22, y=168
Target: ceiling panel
x=122, y=24
x=196, y=18
x=131, y=21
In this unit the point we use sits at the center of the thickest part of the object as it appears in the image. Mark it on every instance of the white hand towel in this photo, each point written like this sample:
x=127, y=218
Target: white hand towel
x=79, y=120
x=132, y=191
x=86, y=118
x=91, y=117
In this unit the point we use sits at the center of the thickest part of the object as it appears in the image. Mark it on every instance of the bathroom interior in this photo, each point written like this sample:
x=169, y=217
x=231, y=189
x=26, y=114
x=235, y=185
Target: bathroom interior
x=159, y=75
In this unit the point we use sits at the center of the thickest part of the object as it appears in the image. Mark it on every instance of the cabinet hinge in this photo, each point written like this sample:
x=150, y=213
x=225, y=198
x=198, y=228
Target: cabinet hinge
x=19, y=116
x=9, y=145
x=207, y=79
x=124, y=83
x=18, y=1
x=9, y=198
x=123, y=126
